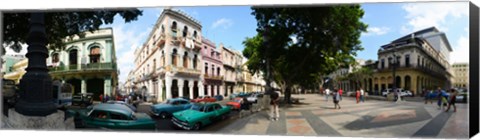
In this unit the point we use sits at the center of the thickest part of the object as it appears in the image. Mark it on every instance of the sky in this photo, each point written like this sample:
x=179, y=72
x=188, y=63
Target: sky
x=230, y=25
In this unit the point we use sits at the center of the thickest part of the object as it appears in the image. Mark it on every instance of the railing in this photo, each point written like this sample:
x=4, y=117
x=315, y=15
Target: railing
x=182, y=70
x=421, y=68
x=91, y=66
x=213, y=77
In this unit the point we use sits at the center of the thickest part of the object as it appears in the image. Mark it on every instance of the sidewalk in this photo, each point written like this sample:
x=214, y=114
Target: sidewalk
x=373, y=118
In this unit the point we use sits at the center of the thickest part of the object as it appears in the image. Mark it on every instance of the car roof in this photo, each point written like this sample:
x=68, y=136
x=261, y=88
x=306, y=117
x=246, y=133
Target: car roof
x=118, y=108
x=177, y=99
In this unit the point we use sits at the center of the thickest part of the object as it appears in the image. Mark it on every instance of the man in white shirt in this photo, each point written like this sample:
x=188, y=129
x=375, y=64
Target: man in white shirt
x=362, y=95
x=327, y=92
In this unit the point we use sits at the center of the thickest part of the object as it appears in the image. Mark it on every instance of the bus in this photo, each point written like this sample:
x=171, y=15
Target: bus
x=62, y=94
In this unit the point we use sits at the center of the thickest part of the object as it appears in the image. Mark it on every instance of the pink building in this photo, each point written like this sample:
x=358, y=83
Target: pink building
x=212, y=71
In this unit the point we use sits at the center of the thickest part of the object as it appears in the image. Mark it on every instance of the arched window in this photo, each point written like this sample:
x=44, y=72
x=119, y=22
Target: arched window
x=195, y=62
x=218, y=71
x=174, y=57
x=185, y=31
x=95, y=54
x=163, y=29
x=213, y=69
x=185, y=60
x=206, y=68
x=194, y=35
x=55, y=58
x=72, y=56
x=174, y=26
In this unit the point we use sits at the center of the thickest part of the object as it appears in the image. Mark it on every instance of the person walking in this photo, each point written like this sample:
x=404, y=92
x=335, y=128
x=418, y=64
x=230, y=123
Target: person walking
x=327, y=92
x=340, y=92
x=336, y=99
x=362, y=95
x=357, y=95
x=274, y=101
x=101, y=98
x=452, y=100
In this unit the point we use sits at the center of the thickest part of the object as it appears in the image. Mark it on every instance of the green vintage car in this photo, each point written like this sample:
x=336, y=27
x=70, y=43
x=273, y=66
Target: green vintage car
x=111, y=116
x=199, y=115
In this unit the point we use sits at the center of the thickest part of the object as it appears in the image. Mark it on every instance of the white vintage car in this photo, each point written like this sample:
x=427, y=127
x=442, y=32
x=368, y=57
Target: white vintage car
x=399, y=91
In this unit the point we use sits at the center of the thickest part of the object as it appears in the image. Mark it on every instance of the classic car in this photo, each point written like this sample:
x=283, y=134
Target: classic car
x=235, y=103
x=233, y=96
x=254, y=97
x=218, y=97
x=134, y=109
x=200, y=115
x=111, y=116
x=84, y=99
x=166, y=109
x=203, y=99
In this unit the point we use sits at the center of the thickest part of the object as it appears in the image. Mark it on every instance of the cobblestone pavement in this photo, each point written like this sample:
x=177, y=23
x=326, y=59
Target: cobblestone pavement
x=316, y=117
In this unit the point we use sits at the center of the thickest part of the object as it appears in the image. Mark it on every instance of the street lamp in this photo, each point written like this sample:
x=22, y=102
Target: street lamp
x=394, y=65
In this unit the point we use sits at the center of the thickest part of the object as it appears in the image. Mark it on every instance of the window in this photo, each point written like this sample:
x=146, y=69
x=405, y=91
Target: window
x=98, y=114
x=407, y=60
x=195, y=62
x=174, y=27
x=383, y=64
x=206, y=68
x=185, y=31
x=163, y=58
x=116, y=116
x=55, y=58
x=397, y=62
x=174, y=57
x=185, y=60
x=73, y=57
x=218, y=71
x=163, y=29
x=95, y=54
x=194, y=35
x=154, y=64
x=213, y=69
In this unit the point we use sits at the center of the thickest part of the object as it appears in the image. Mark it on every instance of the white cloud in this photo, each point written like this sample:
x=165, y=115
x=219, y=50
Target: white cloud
x=460, y=51
x=376, y=31
x=424, y=15
x=223, y=22
x=126, y=41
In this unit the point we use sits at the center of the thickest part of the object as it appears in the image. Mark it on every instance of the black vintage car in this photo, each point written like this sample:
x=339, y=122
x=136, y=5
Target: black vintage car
x=82, y=99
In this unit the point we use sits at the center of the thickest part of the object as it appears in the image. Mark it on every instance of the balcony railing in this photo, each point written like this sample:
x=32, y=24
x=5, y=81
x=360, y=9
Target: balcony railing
x=215, y=77
x=182, y=70
x=420, y=68
x=91, y=66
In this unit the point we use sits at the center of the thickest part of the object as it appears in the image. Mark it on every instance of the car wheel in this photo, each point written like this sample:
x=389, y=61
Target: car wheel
x=163, y=115
x=197, y=126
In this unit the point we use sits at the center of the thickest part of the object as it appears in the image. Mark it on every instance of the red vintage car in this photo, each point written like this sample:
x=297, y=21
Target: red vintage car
x=203, y=99
x=235, y=103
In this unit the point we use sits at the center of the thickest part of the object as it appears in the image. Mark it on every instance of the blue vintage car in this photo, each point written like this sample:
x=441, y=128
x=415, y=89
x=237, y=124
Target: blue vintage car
x=169, y=107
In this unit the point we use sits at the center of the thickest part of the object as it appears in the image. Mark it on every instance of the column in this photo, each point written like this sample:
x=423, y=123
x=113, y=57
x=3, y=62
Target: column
x=215, y=92
x=168, y=83
x=201, y=88
x=107, y=86
x=160, y=88
x=150, y=87
x=209, y=90
x=190, y=86
x=84, y=86
x=222, y=91
x=180, y=87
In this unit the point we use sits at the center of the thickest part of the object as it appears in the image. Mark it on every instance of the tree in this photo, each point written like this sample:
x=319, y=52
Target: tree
x=59, y=25
x=303, y=43
x=35, y=97
x=360, y=74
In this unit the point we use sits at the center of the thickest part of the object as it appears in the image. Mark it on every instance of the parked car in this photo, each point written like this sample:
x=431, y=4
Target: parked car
x=134, y=109
x=218, y=97
x=233, y=96
x=111, y=116
x=200, y=115
x=254, y=97
x=82, y=99
x=235, y=104
x=186, y=98
x=166, y=109
x=399, y=91
x=203, y=99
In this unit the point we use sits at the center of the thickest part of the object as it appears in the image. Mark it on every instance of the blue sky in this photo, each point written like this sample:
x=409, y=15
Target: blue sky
x=230, y=25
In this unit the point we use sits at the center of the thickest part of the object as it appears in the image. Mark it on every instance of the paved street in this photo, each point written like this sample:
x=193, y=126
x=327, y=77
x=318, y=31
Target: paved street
x=316, y=117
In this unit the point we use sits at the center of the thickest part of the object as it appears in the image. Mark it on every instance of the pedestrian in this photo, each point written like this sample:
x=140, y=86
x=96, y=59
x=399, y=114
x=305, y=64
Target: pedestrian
x=327, y=92
x=452, y=100
x=357, y=95
x=336, y=99
x=442, y=98
x=274, y=101
x=107, y=98
x=362, y=95
x=101, y=98
x=427, y=96
x=340, y=92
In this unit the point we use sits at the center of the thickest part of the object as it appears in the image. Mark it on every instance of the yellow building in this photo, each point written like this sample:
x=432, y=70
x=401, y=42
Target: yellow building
x=18, y=70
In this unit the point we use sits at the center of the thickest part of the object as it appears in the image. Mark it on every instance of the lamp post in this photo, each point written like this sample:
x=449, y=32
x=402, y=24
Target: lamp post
x=394, y=65
x=36, y=85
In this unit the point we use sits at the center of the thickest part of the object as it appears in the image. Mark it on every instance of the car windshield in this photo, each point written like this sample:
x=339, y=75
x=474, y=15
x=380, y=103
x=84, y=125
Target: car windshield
x=198, y=107
x=168, y=101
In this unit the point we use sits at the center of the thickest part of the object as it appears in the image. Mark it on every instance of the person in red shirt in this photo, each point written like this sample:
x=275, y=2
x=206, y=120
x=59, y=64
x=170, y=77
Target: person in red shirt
x=340, y=92
x=358, y=96
x=101, y=98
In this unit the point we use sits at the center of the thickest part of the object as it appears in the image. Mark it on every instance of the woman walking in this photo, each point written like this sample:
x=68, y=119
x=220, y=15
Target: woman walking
x=336, y=99
x=453, y=98
x=358, y=96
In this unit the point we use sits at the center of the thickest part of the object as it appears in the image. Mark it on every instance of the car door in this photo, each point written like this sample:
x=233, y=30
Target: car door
x=185, y=105
x=99, y=119
x=210, y=113
x=121, y=121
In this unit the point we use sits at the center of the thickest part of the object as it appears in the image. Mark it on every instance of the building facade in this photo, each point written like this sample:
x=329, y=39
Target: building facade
x=169, y=62
x=231, y=71
x=420, y=59
x=213, y=67
x=17, y=70
x=461, y=72
x=88, y=63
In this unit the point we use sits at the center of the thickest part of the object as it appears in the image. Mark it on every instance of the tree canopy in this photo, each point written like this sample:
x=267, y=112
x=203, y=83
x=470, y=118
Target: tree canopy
x=304, y=43
x=59, y=25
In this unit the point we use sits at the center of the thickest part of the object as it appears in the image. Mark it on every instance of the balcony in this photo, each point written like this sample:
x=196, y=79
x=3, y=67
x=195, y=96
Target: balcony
x=213, y=77
x=413, y=67
x=182, y=70
x=91, y=66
